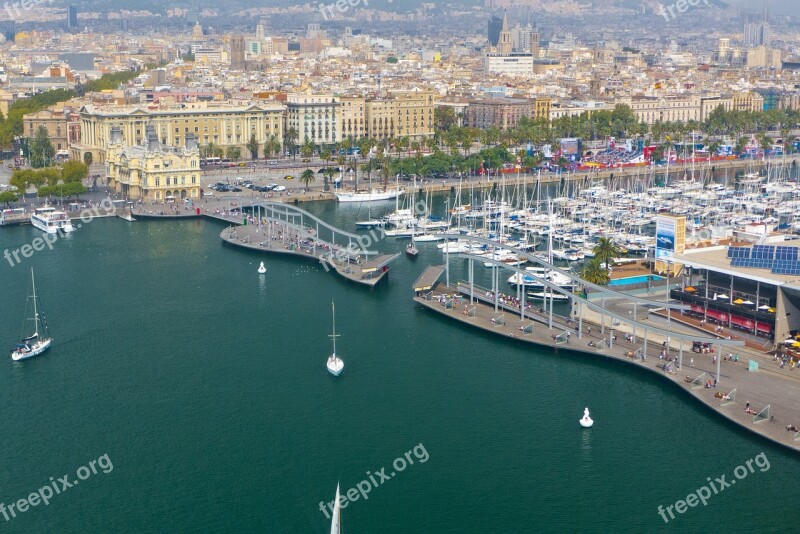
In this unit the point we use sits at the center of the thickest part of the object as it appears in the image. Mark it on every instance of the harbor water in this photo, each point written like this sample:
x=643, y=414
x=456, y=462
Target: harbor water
x=205, y=385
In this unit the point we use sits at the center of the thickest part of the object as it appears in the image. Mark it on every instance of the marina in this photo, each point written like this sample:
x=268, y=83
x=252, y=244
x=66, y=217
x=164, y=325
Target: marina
x=275, y=393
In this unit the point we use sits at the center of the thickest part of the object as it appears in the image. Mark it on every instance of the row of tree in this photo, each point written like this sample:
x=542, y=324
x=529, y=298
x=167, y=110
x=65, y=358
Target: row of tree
x=64, y=181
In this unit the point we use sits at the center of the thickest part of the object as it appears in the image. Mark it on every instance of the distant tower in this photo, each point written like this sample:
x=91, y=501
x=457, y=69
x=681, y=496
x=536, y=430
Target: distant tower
x=506, y=42
x=72, y=17
x=197, y=31
x=495, y=27
x=259, y=32
x=237, y=52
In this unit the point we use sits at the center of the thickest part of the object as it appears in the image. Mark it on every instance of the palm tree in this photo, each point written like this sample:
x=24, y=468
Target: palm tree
x=307, y=177
x=290, y=138
x=272, y=146
x=606, y=250
x=233, y=153
x=252, y=146
x=325, y=155
x=594, y=273
x=307, y=150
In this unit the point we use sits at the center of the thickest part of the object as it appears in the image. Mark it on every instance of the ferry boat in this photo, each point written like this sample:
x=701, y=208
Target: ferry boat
x=48, y=219
x=369, y=196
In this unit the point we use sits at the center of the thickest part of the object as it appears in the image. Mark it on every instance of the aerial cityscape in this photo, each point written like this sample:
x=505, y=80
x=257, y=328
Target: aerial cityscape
x=548, y=252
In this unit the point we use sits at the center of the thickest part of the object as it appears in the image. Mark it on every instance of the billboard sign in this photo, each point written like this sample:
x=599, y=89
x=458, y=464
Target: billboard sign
x=665, y=237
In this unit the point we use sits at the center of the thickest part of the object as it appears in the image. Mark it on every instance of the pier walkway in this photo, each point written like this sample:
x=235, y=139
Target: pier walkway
x=286, y=229
x=773, y=400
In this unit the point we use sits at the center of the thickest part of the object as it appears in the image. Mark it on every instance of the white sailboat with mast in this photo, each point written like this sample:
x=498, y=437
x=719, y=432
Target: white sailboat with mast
x=335, y=364
x=37, y=342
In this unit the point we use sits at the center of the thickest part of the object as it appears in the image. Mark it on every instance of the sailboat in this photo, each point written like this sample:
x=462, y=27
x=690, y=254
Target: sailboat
x=335, y=364
x=411, y=250
x=336, y=523
x=32, y=345
x=261, y=268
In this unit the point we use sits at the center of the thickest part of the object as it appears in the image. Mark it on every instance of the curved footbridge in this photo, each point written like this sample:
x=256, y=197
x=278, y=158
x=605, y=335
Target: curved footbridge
x=593, y=328
x=286, y=229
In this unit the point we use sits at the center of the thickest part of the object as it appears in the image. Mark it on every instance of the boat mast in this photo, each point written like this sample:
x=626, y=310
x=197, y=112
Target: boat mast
x=334, y=336
x=35, y=311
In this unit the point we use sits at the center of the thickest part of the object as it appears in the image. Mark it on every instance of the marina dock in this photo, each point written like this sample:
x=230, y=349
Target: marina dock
x=774, y=398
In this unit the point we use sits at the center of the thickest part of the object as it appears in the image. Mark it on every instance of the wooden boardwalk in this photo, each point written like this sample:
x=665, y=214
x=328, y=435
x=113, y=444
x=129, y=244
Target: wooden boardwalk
x=774, y=398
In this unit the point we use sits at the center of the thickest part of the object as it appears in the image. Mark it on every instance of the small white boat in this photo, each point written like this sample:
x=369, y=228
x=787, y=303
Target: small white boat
x=34, y=344
x=547, y=295
x=335, y=364
x=422, y=238
x=586, y=421
x=261, y=268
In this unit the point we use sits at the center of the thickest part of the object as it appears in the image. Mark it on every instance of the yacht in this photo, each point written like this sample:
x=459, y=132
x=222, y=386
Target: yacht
x=39, y=340
x=48, y=219
x=369, y=196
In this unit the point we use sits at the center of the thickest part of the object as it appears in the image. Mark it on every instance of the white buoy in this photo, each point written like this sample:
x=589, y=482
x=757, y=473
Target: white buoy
x=261, y=268
x=586, y=421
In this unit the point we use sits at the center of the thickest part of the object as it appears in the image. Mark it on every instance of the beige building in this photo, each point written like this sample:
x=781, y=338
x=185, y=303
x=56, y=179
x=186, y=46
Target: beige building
x=62, y=123
x=381, y=118
x=153, y=171
x=353, y=117
x=222, y=123
x=748, y=102
x=414, y=113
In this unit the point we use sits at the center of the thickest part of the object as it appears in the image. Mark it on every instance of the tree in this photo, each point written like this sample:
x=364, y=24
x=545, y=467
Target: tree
x=325, y=155
x=233, y=152
x=41, y=149
x=307, y=177
x=307, y=150
x=8, y=197
x=445, y=118
x=272, y=146
x=290, y=136
x=88, y=158
x=594, y=273
x=74, y=171
x=606, y=250
x=252, y=146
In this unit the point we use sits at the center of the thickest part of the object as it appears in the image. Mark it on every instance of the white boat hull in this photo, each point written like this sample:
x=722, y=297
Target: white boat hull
x=37, y=348
x=65, y=226
x=335, y=365
x=368, y=197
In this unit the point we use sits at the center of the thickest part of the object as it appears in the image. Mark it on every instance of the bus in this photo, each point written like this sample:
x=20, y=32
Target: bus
x=211, y=161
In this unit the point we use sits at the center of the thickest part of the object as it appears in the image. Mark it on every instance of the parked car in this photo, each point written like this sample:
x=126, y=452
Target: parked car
x=288, y=177
x=273, y=162
x=208, y=194
x=279, y=188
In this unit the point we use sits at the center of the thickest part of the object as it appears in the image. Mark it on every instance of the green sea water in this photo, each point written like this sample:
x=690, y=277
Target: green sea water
x=205, y=384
